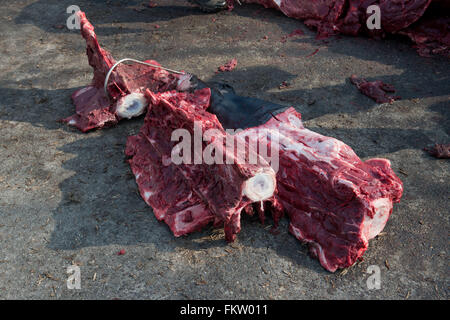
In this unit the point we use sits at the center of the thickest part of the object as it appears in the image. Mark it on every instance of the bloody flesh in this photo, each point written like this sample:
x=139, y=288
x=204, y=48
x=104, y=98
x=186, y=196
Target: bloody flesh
x=187, y=196
x=93, y=108
x=425, y=22
x=440, y=151
x=335, y=202
x=376, y=90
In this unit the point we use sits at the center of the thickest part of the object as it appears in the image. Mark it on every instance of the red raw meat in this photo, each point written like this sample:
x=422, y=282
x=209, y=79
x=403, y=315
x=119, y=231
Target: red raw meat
x=431, y=36
x=228, y=66
x=93, y=108
x=297, y=32
x=348, y=16
x=190, y=196
x=313, y=53
x=335, y=202
x=230, y=4
x=331, y=17
x=440, y=151
x=377, y=90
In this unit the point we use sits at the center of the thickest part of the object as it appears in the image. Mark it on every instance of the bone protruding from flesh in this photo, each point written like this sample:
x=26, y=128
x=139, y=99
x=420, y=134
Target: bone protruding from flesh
x=184, y=82
x=131, y=105
x=373, y=226
x=260, y=187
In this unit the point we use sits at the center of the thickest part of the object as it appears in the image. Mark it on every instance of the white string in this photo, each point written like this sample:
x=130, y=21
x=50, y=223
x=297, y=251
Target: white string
x=136, y=61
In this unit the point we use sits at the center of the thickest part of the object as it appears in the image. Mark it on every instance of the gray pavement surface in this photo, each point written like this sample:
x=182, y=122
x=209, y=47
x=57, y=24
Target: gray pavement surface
x=68, y=198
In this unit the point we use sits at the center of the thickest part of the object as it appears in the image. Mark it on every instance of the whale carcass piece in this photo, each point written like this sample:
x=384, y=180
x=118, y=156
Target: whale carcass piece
x=349, y=16
x=126, y=86
x=191, y=194
x=335, y=202
x=376, y=90
x=407, y=17
x=431, y=35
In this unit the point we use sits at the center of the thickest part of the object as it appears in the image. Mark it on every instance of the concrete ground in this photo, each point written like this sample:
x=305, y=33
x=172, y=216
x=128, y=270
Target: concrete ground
x=68, y=198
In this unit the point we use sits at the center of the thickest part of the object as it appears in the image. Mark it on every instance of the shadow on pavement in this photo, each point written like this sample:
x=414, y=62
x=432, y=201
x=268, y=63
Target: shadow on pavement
x=51, y=16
